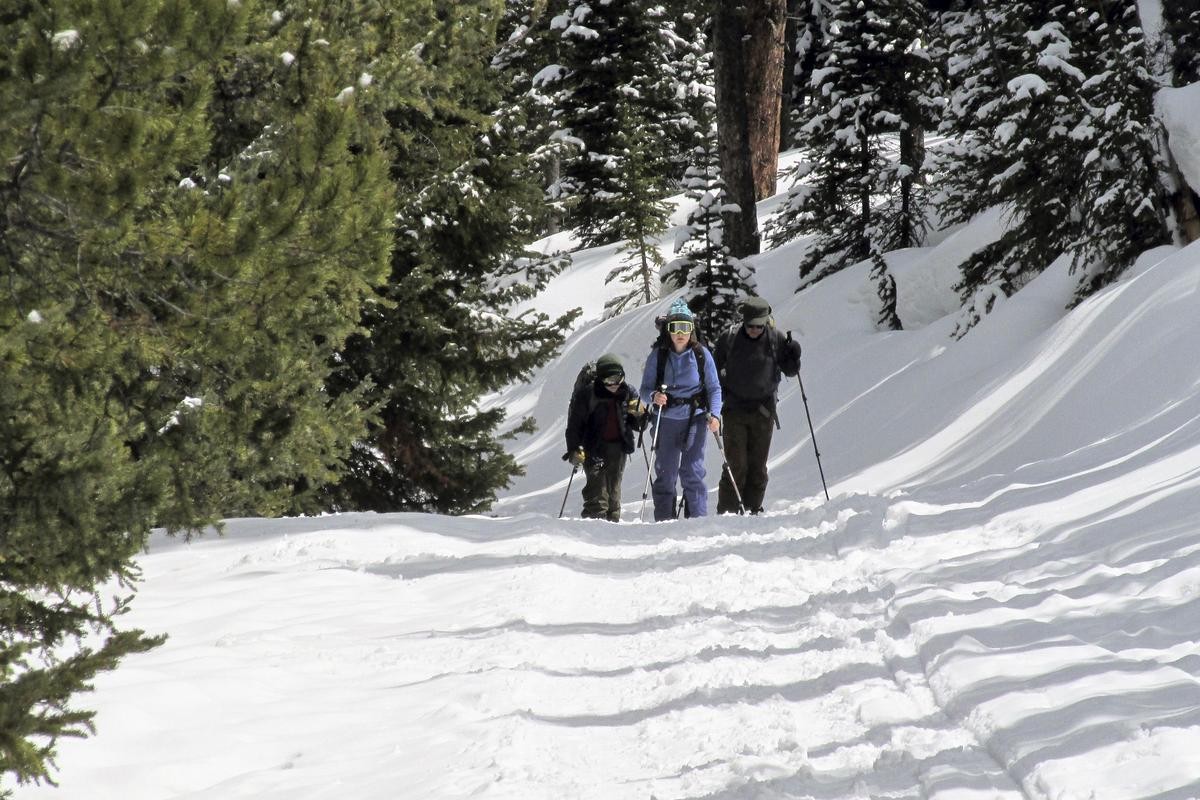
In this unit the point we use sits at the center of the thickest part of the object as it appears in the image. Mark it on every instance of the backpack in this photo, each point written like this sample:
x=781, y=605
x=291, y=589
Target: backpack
x=725, y=341
x=586, y=377
x=660, y=369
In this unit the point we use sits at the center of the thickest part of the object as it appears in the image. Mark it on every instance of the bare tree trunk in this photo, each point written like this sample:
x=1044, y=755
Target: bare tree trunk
x=788, y=88
x=912, y=155
x=733, y=127
x=765, y=23
x=1183, y=203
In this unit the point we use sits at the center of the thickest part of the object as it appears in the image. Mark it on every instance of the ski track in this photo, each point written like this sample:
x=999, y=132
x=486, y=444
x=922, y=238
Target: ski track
x=695, y=667
x=868, y=647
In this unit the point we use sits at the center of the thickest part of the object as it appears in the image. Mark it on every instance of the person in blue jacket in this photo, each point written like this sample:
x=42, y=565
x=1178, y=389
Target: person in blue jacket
x=680, y=385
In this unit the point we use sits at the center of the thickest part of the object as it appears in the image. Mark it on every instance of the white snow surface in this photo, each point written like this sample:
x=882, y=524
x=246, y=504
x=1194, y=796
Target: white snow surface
x=1180, y=112
x=1001, y=601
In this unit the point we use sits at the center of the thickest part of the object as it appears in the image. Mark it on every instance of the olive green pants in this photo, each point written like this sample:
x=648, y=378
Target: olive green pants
x=602, y=491
x=747, y=437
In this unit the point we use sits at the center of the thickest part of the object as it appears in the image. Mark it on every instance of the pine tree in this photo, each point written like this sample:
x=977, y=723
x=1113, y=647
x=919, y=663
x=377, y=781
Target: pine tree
x=1061, y=106
x=704, y=263
x=871, y=88
x=639, y=218
x=808, y=19
x=444, y=333
x=177, y=283
x=1124, y=205
x=1181, y=20
x=617, y=70
x=526, y=63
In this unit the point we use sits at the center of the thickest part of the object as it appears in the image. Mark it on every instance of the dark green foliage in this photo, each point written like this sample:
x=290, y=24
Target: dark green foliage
x=704, y=264
x=872, y=89
x=444, y=332
x=809, y=37
x=526, y=64
x=615, y=99
x=638, y=216
x=1181, y=20
x=175, y=287
x=1052, y=106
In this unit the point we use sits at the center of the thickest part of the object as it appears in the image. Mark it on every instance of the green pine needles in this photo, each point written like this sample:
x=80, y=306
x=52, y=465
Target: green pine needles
x=180, y=271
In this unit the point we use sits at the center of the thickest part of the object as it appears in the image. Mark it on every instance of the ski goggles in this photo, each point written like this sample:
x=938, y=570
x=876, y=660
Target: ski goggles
x=679, y=326
x=613, y=380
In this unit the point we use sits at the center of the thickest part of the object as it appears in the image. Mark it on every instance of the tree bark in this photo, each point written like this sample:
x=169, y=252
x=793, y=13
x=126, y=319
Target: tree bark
x=733, y=127
x=765, y=23
x=787, y=91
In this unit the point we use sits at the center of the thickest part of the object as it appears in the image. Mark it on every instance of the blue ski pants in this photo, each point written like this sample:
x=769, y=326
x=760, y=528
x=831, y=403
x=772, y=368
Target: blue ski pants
x=680, y=457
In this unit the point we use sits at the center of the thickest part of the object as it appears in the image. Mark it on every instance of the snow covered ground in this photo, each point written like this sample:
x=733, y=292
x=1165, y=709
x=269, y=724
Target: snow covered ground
x=1001, y=600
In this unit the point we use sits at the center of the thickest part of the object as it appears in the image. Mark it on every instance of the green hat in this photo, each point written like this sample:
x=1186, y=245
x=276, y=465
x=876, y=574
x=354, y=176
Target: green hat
x=755, y=311
x=609, y=364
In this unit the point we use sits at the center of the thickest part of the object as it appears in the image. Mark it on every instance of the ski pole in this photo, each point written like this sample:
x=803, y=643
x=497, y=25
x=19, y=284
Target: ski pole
x=653, y=449
x=574, y=469
x=812, y=432
x=729, y=471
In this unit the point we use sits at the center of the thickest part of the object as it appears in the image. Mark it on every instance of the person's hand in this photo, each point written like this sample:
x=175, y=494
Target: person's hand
x=659, y=399
x=714, y=424
x=576, y=457
x=793, y=349
x=634, y=407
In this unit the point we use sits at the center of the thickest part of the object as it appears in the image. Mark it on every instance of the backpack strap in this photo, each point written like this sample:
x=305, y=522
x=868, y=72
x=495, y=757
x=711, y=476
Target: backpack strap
x=700, y=398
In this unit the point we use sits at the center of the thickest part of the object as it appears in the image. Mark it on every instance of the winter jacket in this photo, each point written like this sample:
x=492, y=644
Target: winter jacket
x=750, y=369
x=683, y=381
x=591, y=414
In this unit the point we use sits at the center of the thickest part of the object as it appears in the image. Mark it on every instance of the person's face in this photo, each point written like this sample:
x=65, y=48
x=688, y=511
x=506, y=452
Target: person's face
x=680, y=333
x=613, y=382
x=755, y=331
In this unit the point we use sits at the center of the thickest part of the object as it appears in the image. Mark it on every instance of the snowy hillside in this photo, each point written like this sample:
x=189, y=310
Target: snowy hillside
x=1001, y=600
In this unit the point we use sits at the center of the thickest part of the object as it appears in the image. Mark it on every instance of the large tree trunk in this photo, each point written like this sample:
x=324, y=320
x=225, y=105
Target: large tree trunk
x=765, y=23
x=733, y=127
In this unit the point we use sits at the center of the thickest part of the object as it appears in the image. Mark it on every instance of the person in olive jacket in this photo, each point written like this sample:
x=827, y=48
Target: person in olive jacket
x=751, y=357
x=601, y=422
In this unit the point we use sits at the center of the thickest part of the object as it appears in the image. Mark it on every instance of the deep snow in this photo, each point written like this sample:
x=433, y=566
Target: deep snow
x=1001, y=600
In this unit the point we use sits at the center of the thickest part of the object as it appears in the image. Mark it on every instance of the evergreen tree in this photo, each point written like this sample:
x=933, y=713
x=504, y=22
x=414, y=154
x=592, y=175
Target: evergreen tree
x=1181, y=20
x=176, y=286
x=617, y=72
x=443, y=333
x=871, y=86
x=639, y=218
x=1060, y=106
x=526, y=63
x=1124, y=205
x=704, y=263
x=803, y=50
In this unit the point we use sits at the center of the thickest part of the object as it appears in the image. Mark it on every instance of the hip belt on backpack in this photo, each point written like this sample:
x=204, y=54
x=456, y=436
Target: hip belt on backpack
x=695, y=401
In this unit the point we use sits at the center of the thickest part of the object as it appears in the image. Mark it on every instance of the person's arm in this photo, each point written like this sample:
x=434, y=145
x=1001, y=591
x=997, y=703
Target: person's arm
x=721, y=352
x=788, y=357
x=649, y=373
x=576, y=413
x=713, y=387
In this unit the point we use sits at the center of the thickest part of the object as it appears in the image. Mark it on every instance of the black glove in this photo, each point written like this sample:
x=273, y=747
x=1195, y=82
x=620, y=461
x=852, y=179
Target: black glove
x=793, y=349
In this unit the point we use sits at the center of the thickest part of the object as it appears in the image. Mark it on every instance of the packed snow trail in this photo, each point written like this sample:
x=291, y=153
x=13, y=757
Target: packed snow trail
x=1012, y=639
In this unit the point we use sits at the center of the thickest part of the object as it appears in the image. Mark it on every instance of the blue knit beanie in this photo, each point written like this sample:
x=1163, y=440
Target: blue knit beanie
x=679, y=311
